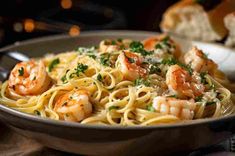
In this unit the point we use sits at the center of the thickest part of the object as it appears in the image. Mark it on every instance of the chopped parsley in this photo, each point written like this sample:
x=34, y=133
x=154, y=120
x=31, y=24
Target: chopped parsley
x=37, y=112
x=198, y=98
x=113, y=107
x=172, y=96
x=92, y=56
x=21, y=71
x=158, y=46
x=150, y=108
x=210, y=103
x=90, y=50
x=203, y=78
x=81, y=68
x=141, y=81
x=165, y=41
x=113, y=42
x=154, y=68
x=122, y=47
x=173, y=61
x=119, y=39
x=131, y=60
x=138, y=47
x=212, y=86
x=99, y=77
x=170, y=61
x=64, y=79
x=104, y=59
x=186, y=67
x=53, y=64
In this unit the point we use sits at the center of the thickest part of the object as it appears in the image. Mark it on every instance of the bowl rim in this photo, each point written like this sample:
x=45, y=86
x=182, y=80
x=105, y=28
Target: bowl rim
x=51, y=122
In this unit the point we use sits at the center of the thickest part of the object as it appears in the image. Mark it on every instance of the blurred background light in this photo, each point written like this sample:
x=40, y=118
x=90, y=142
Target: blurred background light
x=18, y=27
x=29, y=25
x=25, y=19
x=66, y=4
x=74, y=30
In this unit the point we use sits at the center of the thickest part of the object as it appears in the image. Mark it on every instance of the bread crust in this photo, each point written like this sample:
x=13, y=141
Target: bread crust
x=213, y=19
x=229, y=21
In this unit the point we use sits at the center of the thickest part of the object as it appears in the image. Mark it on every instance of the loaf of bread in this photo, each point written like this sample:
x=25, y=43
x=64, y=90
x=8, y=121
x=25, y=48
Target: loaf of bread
x=229, y=21
x=198, y=19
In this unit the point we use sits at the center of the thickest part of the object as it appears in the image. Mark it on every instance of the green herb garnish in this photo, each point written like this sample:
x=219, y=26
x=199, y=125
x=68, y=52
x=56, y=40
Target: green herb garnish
x=92, y=56
x=81, y=68
x=131, y=60
x=37, y=112
x=141, y=81
x=186, y=67
x=172, y=96
x=119, y=39
x=165, y=41
x=198, y=98
x=150, y=108
x=138, y=47
x=53, y=64
x=210, y=103
x=212, y=86
x=173, y=61
x=64, y=79
x=158, y=46
x=170, y=61
x=113, y=42
x=113, y=107
x=21, y=71
x=104, y=59
x=154, y=68
x=203, y=77
x=99, y=77
x=90, y=50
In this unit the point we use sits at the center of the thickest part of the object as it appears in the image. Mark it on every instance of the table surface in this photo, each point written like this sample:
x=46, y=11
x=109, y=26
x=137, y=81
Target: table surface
x=13, y=144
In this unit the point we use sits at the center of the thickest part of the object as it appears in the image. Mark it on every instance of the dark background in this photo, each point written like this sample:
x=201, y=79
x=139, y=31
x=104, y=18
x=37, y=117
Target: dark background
x=24, y=19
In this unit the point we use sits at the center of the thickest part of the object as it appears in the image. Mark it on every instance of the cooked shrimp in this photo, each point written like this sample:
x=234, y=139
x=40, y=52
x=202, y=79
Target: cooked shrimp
x=113, y=45
x=29, y=78
x=180, y=82
x=74, y=106
x=164, y=43
x=183, y=109
x=199, y=61
x=130, y=65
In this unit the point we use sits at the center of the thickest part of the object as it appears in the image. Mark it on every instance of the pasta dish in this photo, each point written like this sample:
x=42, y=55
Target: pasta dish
x=121, y=82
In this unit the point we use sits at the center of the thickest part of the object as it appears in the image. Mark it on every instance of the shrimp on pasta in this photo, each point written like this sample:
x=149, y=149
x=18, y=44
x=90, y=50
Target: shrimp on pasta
x=29, y=78
x=74, y=106
x=121, y=82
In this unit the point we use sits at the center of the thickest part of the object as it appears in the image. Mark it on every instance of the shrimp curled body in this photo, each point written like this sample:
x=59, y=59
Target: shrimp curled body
x=29, y=78
x=73, y=106
x=183, y=109
x=199, y=61
x=180, y=82
x=130, y=65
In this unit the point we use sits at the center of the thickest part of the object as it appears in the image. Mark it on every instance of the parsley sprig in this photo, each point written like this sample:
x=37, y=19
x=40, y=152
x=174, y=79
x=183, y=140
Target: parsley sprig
x=140, y=81
x=138, y=47
x=105, y=59
x=53, y=64
x=173, y=61
x=81, y=68
x=21, y=71
x=150, y=108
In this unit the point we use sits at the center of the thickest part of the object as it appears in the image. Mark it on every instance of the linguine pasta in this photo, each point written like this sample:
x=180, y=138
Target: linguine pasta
x=120, y=82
